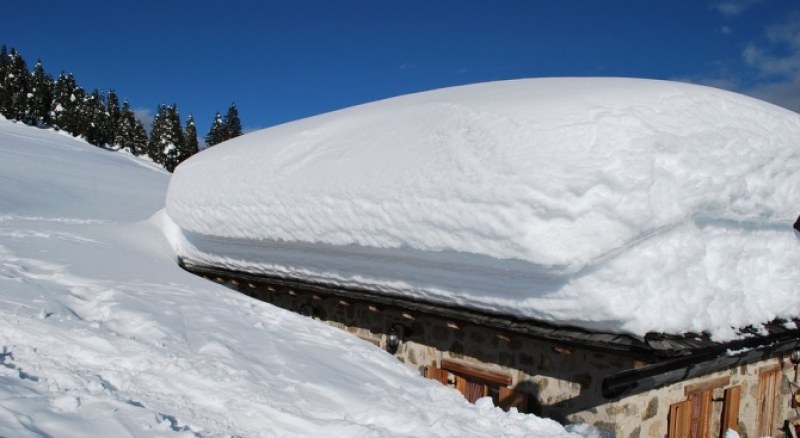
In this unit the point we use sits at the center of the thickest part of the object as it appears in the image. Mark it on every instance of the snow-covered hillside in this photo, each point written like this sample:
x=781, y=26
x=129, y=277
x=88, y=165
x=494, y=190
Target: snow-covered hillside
x=101, y=334
x=612, y=204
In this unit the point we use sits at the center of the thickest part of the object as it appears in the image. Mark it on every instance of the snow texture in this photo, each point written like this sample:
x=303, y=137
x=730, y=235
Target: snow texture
x=102, y=334
x=618, y=205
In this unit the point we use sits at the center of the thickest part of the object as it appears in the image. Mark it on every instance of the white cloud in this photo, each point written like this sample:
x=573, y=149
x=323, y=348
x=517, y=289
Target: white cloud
x=770, y=65
x=781, y=55
x=776, y=62
x=732, y=8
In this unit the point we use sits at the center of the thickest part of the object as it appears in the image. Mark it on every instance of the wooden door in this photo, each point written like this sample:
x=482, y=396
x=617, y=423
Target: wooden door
x=767, y=401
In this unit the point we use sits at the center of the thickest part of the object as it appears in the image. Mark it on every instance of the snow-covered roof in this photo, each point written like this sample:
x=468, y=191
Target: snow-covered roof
x=619, y=205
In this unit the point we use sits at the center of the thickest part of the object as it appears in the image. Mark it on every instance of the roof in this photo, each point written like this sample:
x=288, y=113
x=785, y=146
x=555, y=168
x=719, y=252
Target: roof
x=613, y=205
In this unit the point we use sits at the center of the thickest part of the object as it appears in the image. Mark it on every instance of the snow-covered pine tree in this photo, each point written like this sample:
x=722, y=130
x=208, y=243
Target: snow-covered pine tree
x=157, y=135
x=130, y=133
x=232, y=123
x=114, y=115
x=3, y=73
x=166, y=138
x=123, y=129
x=190, y=134
x=66, y=107
x=139, y=142
x=17, y=86
x=96, y=122
x=216, y=134
x=174, y=154
x=38, y=112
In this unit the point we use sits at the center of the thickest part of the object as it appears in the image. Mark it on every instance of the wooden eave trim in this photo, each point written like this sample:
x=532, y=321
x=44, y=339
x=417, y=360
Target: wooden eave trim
x=770, y=369
x=718, y=382
x=476, y=373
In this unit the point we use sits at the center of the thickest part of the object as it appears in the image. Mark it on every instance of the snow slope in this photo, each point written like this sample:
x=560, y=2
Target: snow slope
x=612, y=204
x=101, y=334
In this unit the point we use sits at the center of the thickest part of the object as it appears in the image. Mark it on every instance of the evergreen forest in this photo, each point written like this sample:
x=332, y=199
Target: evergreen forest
x=35, y=98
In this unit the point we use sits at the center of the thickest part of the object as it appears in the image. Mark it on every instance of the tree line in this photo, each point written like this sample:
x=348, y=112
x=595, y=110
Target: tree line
x=33, y=97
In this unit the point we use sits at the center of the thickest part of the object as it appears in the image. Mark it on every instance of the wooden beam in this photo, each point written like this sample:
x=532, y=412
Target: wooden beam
x=719, y=382
x=476, y=373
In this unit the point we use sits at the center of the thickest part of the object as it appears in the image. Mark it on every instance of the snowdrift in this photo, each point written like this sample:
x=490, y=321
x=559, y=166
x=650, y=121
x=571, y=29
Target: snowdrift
x=102, y=334
x=618, y=205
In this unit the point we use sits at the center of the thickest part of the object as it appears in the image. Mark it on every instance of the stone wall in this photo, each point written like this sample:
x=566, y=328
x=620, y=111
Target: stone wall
x=646, y=414
x=562, y=382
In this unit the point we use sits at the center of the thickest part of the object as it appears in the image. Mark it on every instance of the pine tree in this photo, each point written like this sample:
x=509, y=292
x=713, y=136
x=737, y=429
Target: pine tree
x=139, y=140
x=233, y=126
x=17, y=86
x=3, y=75
x=114, y=115
x=123, y=129
x=156, y=133
x=130, y=133
x=66, y=106
x=190, y=134
x=96, y=124
x=167, y=139
x=38, y=111
x=216, y=134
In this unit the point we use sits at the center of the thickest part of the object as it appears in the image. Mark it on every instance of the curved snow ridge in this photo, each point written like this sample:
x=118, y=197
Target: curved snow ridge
x=550, y=171
x=692, y=278
x=624, y=205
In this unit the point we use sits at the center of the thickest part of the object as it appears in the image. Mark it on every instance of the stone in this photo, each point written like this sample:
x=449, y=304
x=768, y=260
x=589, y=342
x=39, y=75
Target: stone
x=743, y=430
x=543, y=383
x=627, y=409
x=636, y=433
x=786, y=387
x=412, y=357
x=605, y=429
x=652, y=409
x=657, y=429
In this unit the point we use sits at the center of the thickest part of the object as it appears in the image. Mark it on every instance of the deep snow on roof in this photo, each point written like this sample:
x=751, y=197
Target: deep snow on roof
x=620, y=205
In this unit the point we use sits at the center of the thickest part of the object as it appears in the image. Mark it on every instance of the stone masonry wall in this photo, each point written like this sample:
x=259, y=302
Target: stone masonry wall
x=562, y=382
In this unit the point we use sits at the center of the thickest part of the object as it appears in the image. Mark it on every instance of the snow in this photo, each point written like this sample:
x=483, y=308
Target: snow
x=102, y=334
x=619, y=205
x=730, y=433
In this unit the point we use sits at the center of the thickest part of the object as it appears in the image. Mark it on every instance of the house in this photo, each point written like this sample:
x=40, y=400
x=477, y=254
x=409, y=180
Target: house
x=609, y=251
x=660, y=386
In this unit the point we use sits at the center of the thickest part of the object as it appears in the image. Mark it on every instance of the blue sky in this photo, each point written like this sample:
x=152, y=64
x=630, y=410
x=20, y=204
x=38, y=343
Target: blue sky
x=284, y=60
